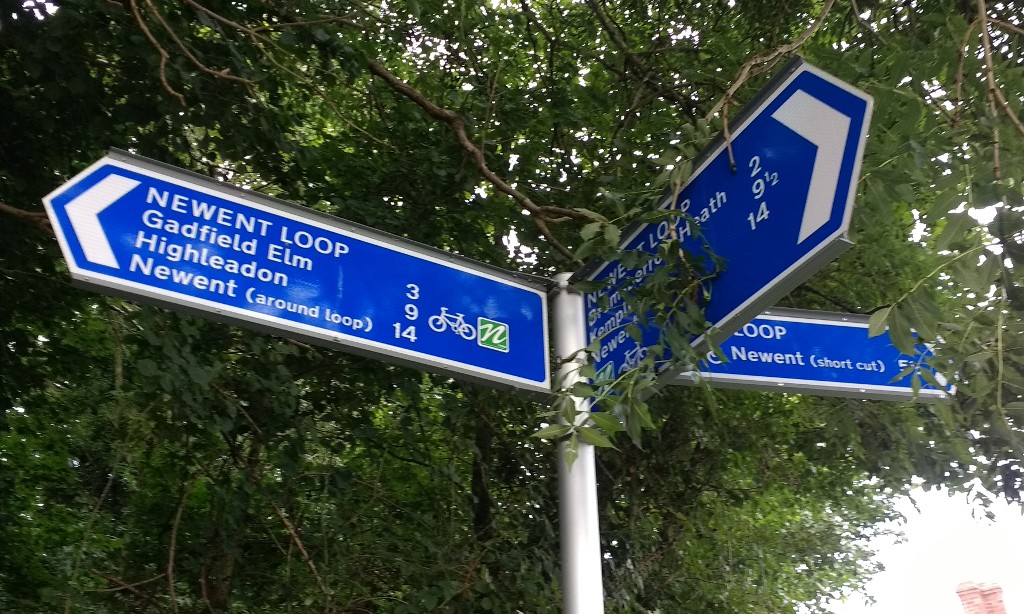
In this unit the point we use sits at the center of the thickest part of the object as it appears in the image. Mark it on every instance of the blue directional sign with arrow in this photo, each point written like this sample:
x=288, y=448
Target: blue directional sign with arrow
x=771, y=219
x=141, y=229
x=822, y=353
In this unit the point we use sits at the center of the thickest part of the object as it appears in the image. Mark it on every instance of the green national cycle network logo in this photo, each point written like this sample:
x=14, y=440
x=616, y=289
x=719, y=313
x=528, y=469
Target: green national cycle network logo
x=492, y=334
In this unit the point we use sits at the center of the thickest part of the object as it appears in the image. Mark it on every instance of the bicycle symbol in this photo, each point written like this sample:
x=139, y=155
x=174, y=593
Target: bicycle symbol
x=633, y=358
x=444, y=320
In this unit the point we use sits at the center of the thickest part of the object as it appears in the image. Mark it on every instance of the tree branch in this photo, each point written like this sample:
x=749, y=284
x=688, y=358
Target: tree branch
x=648, y=76
x=131, y=588
x=458, y=125
x=990, y=78
x=39, y=219
x=763, y=63
x=290, y=528
x=221, y=74
x=260, y=40
x=164, y=56
x=174, y=543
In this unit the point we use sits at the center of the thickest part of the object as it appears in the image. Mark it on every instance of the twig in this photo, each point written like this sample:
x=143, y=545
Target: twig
x=311, y=22
x=990, y=77
x=85, y=536
x=164, y=56
x=220, y=74
x=569, y=213
x=1006, y=25
x=238, y=405
x=204, y=593
x=257, y=37
x=764, y=63
x=458, y=125
x=301, y=548
x=174, y=543
x=838, y=303
x=864, y=24
x=647, y=74
x=121, y=585
x=995, y=92
x=728, y=136
x=39, y=219
x=131, y=588
x=958, y=87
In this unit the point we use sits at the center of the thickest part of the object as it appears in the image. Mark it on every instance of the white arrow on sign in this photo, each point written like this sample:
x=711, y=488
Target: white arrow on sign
x=827, y=128
x=84, y=211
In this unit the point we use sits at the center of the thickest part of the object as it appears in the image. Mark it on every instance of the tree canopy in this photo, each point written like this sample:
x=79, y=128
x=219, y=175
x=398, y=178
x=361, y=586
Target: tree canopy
x=155, y=461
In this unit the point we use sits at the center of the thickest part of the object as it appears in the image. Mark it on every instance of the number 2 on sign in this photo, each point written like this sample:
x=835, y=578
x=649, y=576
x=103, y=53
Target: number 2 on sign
x=762, y=215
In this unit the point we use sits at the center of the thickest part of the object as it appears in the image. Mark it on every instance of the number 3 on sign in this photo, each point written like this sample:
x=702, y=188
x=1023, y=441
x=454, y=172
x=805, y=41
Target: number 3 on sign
x=762, y=215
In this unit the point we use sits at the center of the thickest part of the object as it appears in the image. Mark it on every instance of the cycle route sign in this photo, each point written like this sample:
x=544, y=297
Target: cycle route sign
x=822, y=353
x=144, y=230
x=773, y=206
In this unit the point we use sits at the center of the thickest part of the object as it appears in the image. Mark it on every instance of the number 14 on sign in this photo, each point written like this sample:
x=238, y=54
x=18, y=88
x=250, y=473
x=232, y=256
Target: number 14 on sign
x=758, y=189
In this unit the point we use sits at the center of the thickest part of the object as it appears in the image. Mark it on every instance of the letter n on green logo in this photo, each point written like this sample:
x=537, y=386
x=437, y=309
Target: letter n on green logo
x=492, y=334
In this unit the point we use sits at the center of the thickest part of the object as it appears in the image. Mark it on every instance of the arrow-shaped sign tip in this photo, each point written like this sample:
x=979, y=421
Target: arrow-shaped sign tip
x=83, y=213
x=828, y=129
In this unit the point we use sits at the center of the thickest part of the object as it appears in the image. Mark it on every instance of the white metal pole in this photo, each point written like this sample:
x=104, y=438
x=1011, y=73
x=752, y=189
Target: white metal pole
x=583, y=590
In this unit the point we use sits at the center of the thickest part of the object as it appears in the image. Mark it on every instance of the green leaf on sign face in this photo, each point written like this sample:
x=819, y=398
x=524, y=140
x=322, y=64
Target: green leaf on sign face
x=931, y=379
x=899, y=332
x=552, y=431
x=634, y=333
x=878, y=321
x=595, y=437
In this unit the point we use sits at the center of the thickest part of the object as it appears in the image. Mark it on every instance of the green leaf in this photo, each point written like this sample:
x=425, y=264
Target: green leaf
x=595, y=437
x=642, y=412
x=590, y=230
x=920, y=315
x=900, y=333
x=583, y=390
x=957, y=225
x=612, y=234
x=878, y=321
x=552, y=431
x=931, y=379
x=571, y=450
x=607, y=422
x=591, y=214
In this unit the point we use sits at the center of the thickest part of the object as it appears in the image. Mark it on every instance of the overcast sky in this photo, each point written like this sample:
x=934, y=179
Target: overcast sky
x=945, y=546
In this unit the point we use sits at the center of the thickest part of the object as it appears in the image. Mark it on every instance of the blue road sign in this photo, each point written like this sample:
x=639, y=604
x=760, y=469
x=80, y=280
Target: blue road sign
x=813, y=352
x=772, y=221
x=141, y=229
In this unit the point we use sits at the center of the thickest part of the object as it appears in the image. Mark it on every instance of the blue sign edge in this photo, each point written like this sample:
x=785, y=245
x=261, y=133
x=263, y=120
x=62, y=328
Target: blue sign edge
x=760, y=383
x=827, y=249
x=106, y=284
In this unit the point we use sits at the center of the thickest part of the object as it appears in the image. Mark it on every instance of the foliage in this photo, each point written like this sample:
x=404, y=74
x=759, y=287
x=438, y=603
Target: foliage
x=153, y=461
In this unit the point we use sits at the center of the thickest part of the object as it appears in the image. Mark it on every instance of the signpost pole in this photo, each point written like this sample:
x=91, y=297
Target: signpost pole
x=582, y=588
